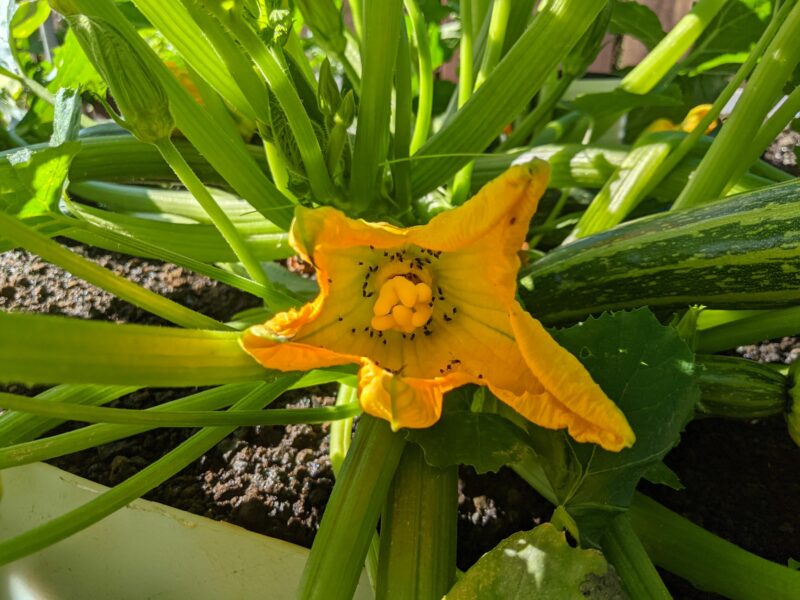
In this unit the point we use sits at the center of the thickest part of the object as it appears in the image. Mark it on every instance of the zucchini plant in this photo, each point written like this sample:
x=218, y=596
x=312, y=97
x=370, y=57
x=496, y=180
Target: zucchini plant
x=441, y=219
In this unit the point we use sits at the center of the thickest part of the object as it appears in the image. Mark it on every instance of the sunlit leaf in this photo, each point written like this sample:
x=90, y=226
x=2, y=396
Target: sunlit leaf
x=483, y=440
x=531, y=564
x=648, y=370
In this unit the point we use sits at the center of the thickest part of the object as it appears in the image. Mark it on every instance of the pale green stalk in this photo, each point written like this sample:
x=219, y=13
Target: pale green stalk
x=648, y=73
x=221, y=220
x=762, y=90
x=491, y=56
x=425, y=101
x=53, y=252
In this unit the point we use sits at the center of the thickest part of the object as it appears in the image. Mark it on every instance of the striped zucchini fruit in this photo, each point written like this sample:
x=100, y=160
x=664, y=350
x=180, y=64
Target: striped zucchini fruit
x=737, y=388
x=742, y=252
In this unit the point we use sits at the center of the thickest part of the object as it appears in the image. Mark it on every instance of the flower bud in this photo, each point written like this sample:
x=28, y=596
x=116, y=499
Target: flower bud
x=328, y=95
x=137, y=92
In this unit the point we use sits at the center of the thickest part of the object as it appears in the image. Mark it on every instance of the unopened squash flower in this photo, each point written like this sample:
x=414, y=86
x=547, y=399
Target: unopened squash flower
x=427, y=309
x=689, y=123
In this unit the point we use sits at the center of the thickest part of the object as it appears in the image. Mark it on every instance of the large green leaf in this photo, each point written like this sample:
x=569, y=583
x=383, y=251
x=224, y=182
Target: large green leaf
x=32, y=183
x=485, y=441
x=648, y=370
x=531, y=564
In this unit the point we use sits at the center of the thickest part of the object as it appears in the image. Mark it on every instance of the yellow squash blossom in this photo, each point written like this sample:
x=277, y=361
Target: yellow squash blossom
x=427, y=309
x=689, y=123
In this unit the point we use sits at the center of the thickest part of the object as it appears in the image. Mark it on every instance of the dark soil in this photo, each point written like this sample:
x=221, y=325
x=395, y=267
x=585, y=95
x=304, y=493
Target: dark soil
x=741, y=479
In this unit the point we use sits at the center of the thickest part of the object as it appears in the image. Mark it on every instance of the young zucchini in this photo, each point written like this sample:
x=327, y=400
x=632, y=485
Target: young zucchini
x=738, y=253
x=737, y=388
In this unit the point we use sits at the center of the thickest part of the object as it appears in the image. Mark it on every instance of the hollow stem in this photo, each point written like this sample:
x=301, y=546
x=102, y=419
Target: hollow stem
x=139, y=484
x=623, y=549
x=707, y=561
x=218, y=216
x=126, y=416
x=418, y=531
x=491, y=56
x=35, y=242
x=531, y=123
x=648, y=73
x=749, y=328
x=462, y=180
x=351, y=516
x=425, y=101
x=762, y=90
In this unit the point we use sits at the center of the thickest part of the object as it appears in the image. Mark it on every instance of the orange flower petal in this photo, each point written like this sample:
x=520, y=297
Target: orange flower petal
x=290, y=356
x=403, y=401
x=593, y=417
x=508, y=201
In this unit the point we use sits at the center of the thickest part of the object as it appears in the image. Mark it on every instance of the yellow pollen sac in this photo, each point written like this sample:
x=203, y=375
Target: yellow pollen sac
x=402, y=305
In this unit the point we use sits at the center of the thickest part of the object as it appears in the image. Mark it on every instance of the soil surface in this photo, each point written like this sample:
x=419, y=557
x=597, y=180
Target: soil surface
x=740, y=478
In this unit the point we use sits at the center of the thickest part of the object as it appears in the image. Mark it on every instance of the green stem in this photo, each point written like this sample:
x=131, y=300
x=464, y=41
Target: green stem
x=625, y=188
x=707, y=561
x=16, y=427
x=221, y=220
x=418, y=531
x=341, y=544
x=425, y=101
x=103, y=278
x=751, y=328
x=537, y=116
x=95, y=435
x=491, y=57
x=648, y=73
x=278, y=168
x=271, y=64
x=624, y=550
x=774, y=124
x=125, y=416
x=552, y=218
x=401, y=170
x=357, y=12
x=657, y=166
x=134, y=487
x=382, y=26
x=342, y=430
x=462, y=181
x=728, y=152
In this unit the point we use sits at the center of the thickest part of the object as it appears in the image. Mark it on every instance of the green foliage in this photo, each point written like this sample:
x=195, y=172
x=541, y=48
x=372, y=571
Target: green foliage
x=32, y=183
x=485, y=441
x=537, y=563
x=649, y=372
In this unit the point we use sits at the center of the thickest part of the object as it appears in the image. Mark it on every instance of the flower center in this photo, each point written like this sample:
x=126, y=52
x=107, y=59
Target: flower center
x=402, y=304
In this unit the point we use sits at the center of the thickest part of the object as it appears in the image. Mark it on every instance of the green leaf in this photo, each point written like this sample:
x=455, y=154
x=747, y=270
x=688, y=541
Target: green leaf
x=29, y=17
x=660, y=473
x=636, y=20
x=485, y=441
x=32, y=183
x=531, y=564
x=648, y=370
x=605, y=108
